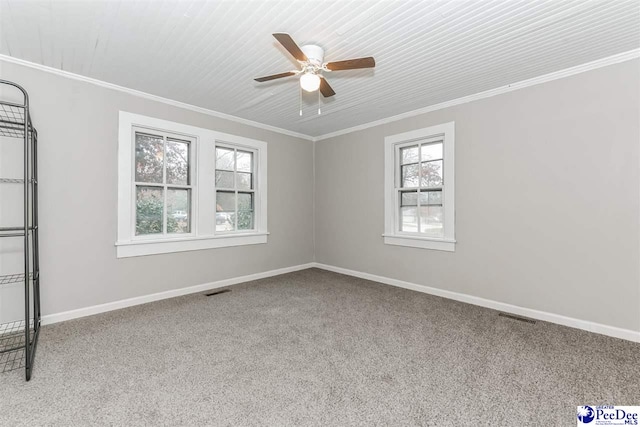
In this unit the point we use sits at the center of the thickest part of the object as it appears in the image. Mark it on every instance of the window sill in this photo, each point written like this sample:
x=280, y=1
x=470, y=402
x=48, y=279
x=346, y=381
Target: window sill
x=420, y=242
x=153, y=247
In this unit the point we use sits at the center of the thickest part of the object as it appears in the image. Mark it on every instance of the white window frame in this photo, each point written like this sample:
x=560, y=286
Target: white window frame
x=392, y=234
x=237, y=190
x=203, y=219
x=164, y=186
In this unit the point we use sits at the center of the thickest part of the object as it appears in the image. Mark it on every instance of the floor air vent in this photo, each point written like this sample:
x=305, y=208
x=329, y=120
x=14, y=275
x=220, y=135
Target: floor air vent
x=218, y=292
x=521, y=319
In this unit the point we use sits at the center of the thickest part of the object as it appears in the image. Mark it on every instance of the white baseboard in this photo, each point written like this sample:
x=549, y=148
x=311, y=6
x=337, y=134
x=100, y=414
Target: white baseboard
x=115, y=305
x=598, y=328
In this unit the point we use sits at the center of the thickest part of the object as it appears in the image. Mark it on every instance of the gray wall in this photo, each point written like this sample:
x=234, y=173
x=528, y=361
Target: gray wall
x=78, y=137
x=547, y=193
x=547, y=199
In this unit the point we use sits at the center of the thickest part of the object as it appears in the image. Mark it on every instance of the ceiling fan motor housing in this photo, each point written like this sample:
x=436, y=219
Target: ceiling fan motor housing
x=315, y=54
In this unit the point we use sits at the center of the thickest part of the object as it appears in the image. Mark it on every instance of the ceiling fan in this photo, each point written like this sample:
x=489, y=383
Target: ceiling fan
x=311, y=59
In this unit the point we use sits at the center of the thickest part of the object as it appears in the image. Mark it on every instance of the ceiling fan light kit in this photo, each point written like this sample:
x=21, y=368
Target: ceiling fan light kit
x=310, y=82
x=312, y=65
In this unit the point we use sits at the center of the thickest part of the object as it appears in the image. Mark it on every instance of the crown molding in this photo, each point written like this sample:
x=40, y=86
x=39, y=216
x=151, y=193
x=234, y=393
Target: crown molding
x=151, y=97
x=610, y=60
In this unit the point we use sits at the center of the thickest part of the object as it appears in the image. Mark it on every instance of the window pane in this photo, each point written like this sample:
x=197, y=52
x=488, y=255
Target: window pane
x=410, y=176
x=430, y=198
x=432, y=151
x=177, y=162
x=431, y=221
x=243, y=181
x=409, y=198
x=245, y=161
x=245, y=220
x=409, y=219
x=409, y=155
x=149, y=158
x=225, y=210
x=149, y=210
x=178, y=210
x=224, y=221
x=224, y=179
x=245, y=211
x=225, y=201
x=224, y=159
x=245, y=201
x=432, y=174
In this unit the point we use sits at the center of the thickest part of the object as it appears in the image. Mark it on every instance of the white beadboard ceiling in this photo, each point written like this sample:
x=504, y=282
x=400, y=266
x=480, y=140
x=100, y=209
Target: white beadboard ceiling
x=206, y=53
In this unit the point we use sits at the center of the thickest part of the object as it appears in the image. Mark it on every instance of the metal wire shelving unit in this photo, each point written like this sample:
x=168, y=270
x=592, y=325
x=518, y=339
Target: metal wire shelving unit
x=19, y=338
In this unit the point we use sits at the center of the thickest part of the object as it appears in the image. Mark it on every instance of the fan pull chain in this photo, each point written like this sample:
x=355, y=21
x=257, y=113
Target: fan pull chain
x=319, y=110
x=300, y=101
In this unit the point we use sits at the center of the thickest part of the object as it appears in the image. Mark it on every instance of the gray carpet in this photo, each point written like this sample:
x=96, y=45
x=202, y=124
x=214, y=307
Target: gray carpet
x=316, y=348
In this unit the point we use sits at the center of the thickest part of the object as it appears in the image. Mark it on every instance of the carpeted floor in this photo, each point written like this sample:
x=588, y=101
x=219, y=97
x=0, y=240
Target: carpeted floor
x=316, y=348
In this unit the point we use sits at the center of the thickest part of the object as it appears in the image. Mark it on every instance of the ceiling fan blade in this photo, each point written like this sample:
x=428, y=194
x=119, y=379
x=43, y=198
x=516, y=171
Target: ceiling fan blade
x=352, y=64
x=325, y=89
x=275, y=76
x=287, y=42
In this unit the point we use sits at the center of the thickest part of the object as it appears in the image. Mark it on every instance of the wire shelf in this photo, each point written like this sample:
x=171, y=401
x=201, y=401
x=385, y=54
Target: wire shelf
x=18, y=339
x=10, y=331
x=12, y=119
x=13, y=278
x=12, y=348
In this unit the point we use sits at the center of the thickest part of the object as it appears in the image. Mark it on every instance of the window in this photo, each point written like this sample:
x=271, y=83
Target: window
x=162, y=183
x=234, y=189
x=419, y=188
x=185, y=188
